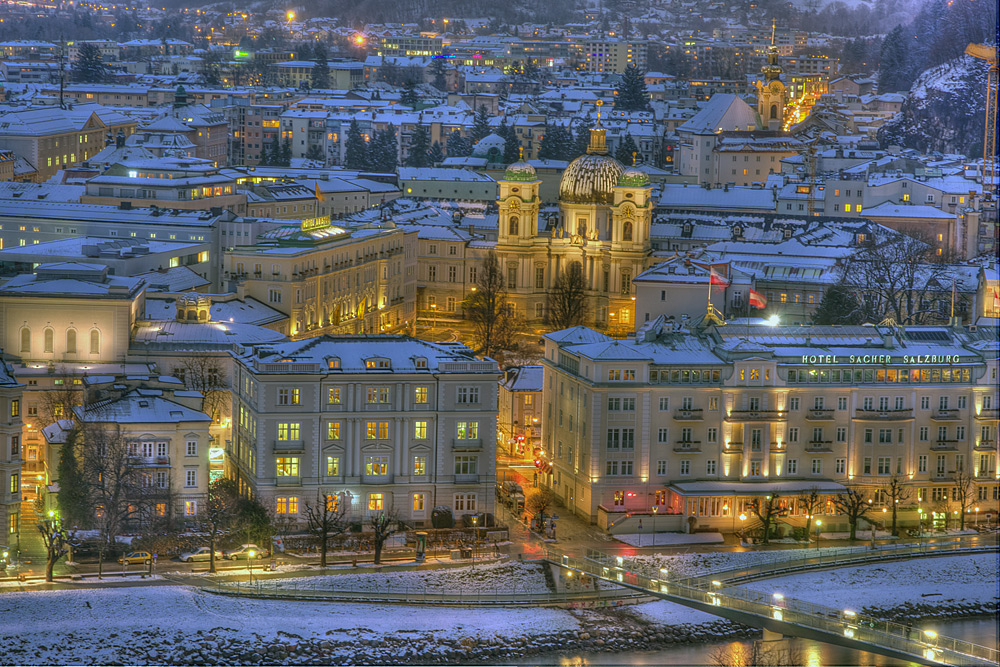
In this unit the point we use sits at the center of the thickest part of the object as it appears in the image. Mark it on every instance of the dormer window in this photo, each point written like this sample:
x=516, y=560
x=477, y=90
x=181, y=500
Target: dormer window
x=377, y=364
x=333, y=363
x=420, y=362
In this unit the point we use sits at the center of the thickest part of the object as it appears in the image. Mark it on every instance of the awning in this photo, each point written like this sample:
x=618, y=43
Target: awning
x=784, y=488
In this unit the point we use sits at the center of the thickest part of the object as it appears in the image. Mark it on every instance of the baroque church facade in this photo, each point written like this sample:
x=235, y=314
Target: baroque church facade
x=603, y=224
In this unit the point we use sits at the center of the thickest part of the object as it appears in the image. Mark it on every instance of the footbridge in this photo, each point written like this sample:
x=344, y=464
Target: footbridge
x=782, y=616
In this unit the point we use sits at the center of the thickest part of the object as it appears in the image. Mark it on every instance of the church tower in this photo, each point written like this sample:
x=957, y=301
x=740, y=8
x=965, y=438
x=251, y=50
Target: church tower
x=518, y=204
x=771, y=93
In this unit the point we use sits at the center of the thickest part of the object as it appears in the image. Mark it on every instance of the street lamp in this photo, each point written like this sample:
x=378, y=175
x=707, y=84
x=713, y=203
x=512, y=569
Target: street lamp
x=743, y=518
x=818, y=524
x=475, y=535
x=977, y=516
x=250, y=555
x=884, y=510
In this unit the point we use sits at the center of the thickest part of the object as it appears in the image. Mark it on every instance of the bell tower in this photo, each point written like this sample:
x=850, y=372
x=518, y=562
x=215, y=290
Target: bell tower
x=518, y=204
x=772, y=95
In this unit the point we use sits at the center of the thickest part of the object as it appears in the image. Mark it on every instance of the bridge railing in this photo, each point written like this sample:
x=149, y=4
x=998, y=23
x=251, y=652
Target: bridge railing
x=710, y=591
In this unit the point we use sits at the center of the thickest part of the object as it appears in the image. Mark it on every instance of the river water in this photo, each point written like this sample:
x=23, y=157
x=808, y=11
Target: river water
x=810, y=653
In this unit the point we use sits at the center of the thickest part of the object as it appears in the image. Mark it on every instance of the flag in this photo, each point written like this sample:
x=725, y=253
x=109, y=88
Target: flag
x=757, y=300
x=716, y=278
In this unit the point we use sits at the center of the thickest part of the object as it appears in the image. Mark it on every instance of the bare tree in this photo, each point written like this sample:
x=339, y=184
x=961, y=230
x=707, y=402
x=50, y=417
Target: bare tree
x=895, y=492
x=326, y=519
x=207, y=375
x=767, y=512
x=566, y=300
x=965, y=491
x=899, y=276
x=494, y=321
x=853, y=504
x=223, y=495
x=56, y=541
x=117, y=486
x=384, y=525
x=810, y=502
x=58, y=402
x=538, y=500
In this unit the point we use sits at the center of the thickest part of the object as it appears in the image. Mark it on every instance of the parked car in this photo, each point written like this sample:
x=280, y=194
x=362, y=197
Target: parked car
x=136, y=558
x=200, y=554
x=243, y=551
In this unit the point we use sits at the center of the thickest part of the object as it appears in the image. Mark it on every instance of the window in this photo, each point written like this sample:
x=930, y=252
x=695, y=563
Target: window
x=287, y=466
x=792, y=466
x=661, y=468
x=465, y=502
x=333, y=396
x=71, y=341
x=664, y=403
x=288, y=397
x=925, y=402
x=713, y=434
x=793, y=434
x=467, y=395
x=686, y=467
x=420, y=430
x=867, y=467
x=375, y=502
x=15, y=408
x=288, y=431
x=467, y=430
x=377, y=395
x=922, y=463
x=793, y=403
x=962, y=402
x=755, y=468
x=619, y=499
x=885, y=435
x=869, y=435
x=190, y=478
x=710, y=467
x=191, y=448
x=663, y=435
x=867, y=403
x=333, y=466
x=191, y=508
x=923, y=434
x=942, y=463
x=419, y=465
x=943, y=403
x=840, y=465
x=418, y=502
x=377, y=465
x=333, y=431
x=15, y=482
x=842, y=403
x=713, y=403
x=841, y=434
x=466, y=465
x=817, y=466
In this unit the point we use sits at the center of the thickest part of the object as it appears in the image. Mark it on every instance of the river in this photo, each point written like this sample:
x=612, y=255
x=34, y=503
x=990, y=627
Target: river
x=810, y=653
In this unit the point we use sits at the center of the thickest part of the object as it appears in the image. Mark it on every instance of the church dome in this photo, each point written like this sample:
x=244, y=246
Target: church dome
x=590, y=179
x=519, y=171
x=634, y=178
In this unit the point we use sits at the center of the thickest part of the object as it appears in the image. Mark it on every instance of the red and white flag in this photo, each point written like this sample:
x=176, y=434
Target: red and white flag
x=717, y=278
x=757, y=300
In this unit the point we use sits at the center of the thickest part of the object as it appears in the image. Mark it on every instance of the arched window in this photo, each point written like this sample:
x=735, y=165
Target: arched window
x=71, y=341
x=627, y=231
x=95, y=341
x=774, y=111
x=514, y=226
x=25, y=340
x=48, y=337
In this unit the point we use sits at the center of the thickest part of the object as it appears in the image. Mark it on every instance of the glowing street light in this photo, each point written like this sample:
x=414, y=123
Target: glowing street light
x=250, y=555
x=290, y=16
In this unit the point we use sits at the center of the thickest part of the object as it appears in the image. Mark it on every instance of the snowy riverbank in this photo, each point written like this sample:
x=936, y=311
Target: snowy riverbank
x=177, y=625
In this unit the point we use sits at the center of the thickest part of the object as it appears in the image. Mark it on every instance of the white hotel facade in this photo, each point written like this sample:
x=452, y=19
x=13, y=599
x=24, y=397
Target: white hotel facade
x=695, y=424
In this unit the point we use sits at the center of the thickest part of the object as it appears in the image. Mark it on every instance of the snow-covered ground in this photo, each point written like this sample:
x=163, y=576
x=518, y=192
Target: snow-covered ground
x=667, y=539
x=507, y=577
x=935, y=580
x=699, y=564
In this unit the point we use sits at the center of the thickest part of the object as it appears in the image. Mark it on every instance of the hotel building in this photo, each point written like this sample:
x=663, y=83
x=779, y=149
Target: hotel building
x=697, y=423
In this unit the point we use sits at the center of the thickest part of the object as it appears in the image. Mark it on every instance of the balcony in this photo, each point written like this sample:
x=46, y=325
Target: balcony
x=945, y=415
x=757, y=415
x=288, y=480
x=819, y=415
x=985, y=474
x=988, y=414
x=150, y=461
x=378, y=407
x=939, y=476
x=945, y=446
x=289, y=446
x=689, y=415
x=986, y=445
x=467, y=479
x=687, y=446
x=883, y=415
x=819, y=446
x=467, y=444
x=733, y=448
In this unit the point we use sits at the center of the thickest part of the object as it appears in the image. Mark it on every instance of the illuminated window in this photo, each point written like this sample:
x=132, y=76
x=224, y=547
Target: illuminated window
x=420, y=430
x=287, y=466
x=419, y=465
x=288, y=431
x=375, y=502
x=377, y=465
x=333, y=466
x=420, y=395
x=333, y=431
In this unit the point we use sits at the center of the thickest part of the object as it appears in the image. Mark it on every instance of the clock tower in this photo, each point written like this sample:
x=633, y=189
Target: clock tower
x=771, y=93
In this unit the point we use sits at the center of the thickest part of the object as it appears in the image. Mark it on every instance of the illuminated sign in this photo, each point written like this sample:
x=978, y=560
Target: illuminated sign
x=312, y=224
x=881, y=359
x=216, y=454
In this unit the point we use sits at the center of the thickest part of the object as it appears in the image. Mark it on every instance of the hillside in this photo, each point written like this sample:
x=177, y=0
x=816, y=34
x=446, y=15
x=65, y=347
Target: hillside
x=943, y=111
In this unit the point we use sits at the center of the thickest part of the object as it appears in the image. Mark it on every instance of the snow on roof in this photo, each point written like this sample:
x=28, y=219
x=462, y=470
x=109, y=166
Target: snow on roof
x=139, y=407
x=174, y=279
x=523, y=378
x=891, y=210
x=247, y=311
x=171, y=334
x=723, y=111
